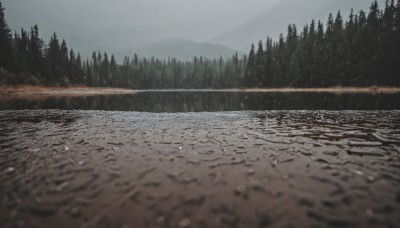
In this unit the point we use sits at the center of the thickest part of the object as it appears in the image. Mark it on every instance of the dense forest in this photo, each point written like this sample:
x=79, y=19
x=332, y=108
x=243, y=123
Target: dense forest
x=365, y=50
x=361, y=51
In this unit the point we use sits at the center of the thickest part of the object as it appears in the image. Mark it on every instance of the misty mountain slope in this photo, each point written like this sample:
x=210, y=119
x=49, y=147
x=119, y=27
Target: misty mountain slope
x=276, y=19
x=180, y=49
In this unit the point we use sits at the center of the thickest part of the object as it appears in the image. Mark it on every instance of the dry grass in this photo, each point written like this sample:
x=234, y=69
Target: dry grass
x=42, y=91
x=62, y=91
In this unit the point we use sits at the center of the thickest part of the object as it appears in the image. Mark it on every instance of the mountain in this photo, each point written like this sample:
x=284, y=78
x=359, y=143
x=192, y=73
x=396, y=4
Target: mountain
x=180, y=49
x=276, y=19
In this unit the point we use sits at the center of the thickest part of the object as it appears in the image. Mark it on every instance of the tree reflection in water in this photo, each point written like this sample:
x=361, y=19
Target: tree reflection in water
x=211, y=102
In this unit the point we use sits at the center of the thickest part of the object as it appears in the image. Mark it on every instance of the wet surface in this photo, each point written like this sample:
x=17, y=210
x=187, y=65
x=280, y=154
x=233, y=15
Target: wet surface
x=223, y=169
x=209, y=101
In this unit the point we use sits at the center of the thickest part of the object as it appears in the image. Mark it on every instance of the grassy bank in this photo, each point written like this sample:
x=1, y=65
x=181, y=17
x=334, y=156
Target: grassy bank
x=28, y=90
x=67, y=91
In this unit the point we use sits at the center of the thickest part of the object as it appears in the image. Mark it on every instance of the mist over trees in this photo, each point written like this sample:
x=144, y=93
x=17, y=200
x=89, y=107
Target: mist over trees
x=364, y=50
x=153, y=73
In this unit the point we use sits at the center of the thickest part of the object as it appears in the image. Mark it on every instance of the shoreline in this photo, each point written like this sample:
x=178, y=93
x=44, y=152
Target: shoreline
x=61, y=91
x=24, y=91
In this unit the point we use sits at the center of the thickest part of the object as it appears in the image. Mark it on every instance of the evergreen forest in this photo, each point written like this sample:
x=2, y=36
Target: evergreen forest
x=362, y=49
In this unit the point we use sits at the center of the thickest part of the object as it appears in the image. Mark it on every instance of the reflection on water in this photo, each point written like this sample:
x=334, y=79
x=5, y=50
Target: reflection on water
x=211, y=102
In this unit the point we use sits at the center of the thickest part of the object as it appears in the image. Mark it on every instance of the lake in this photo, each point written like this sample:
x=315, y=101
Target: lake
x=200, y=159
x=208, y=101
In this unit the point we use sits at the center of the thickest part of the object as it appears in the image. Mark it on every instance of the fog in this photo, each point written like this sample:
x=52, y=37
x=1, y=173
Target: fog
x=118, y=25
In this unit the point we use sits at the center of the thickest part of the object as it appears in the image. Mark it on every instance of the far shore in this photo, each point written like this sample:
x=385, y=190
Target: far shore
x=25, y=91
x=62, y=91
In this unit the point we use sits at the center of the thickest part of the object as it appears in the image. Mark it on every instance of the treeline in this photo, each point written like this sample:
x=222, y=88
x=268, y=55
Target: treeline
x=27, y=59
x=363, y=51
x=153, y=73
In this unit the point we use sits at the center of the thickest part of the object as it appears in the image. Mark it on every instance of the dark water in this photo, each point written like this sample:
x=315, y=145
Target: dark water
x=210, y=102
x=89, y=169
x=98, y=169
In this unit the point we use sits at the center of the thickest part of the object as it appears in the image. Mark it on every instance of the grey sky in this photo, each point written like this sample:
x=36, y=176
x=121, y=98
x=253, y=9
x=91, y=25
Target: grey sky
x=123, y=24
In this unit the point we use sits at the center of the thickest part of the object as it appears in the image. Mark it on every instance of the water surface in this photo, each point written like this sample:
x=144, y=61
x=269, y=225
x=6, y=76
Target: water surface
x=208, y=101
x=217, y=169
x=180, y=159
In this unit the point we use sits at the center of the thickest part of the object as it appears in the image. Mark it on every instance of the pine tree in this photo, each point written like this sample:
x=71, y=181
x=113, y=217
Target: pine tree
x=20, y=48
x=310, y=53
x=260, y=67
x=36, y=64
x=115, y=80
x=64, y=62
x=54, y=60
x=372, y=38
x=268, y=70
x=94, y=77
x=394, y=72
x=319, y=74
x=105, y=71
x=351, y=55
x=88, y=73
x=388, y=42
x=251, y=67
x=281, y=63
x=73, y=74
x=236, y=70
x=6, y=51
x=290, y=62
x=338, y=51
x=81, y=77
x=300, y=63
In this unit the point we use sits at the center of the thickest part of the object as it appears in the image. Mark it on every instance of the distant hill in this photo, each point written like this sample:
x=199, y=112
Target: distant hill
x=180, y=49
x=276, y=19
